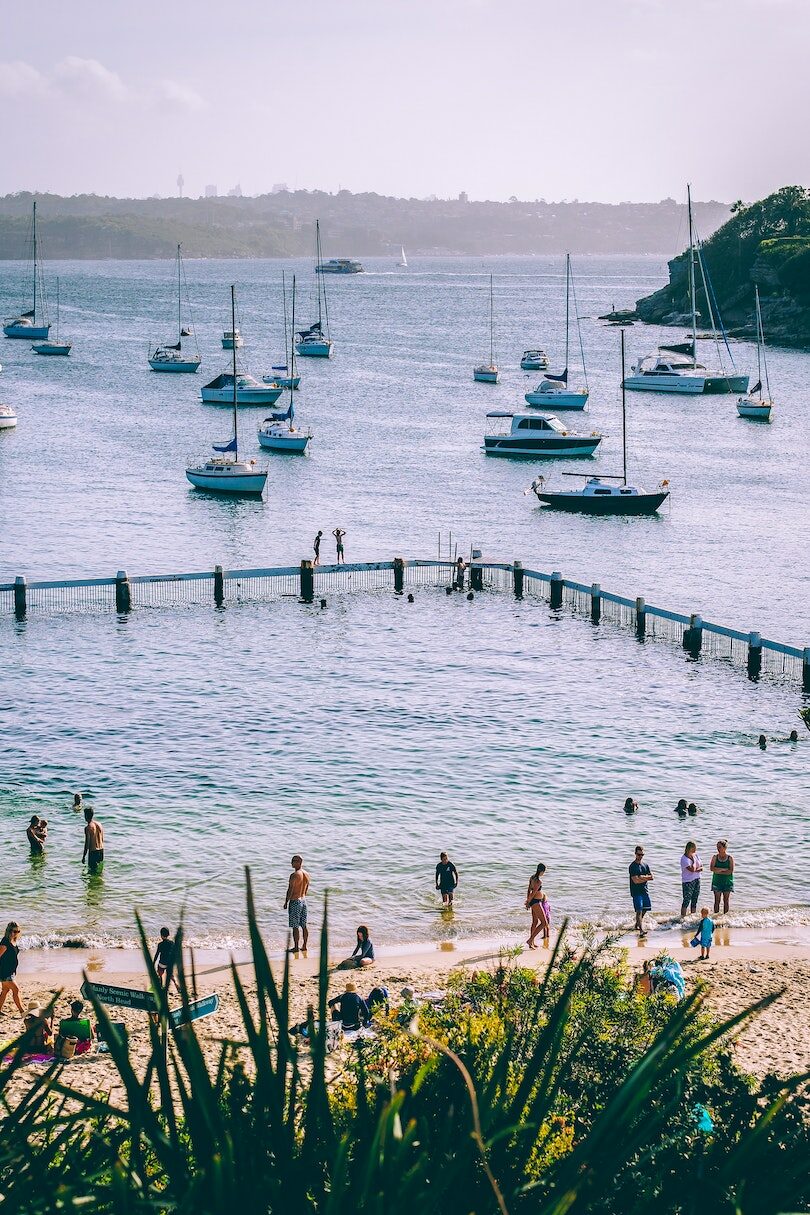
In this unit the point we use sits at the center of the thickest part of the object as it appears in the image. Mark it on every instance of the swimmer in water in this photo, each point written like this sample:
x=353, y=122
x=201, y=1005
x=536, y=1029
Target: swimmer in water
x=763, y=742
x=681, y=807
x=630, y=805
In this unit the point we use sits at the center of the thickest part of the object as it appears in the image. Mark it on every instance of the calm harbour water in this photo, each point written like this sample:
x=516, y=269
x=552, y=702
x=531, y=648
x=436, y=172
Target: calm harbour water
x=373, y=734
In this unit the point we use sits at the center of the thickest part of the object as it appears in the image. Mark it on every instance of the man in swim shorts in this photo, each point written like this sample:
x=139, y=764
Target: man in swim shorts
x=296, y=903
x=93, y=842
x=640, y=876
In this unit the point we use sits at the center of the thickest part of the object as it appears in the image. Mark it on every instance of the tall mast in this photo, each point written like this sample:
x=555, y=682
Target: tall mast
x=491, y=340
x=567, y=293
x=35, y=260
x=284, y=302
x=57, y=309
x=692, y=274
x=623, y=419
x=235, y=411
x=291, y=368
x=761, y=359
x=318, y=265
x=179, y=314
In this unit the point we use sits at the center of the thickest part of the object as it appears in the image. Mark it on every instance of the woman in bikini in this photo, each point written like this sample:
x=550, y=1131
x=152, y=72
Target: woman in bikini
x=537, y=904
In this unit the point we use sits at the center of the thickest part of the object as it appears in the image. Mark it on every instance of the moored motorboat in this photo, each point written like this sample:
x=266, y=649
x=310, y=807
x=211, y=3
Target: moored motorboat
x=538, y=436
x=172, y=357
x=249, y=391
x=32, y=324
x=339, y=265
x=757, y=405
x=231, y=338
x=8, y=418
x=534, y=360
x=487, y=373
x=225, y=473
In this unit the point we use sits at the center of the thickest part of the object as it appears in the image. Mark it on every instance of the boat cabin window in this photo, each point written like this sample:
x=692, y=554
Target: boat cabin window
x=602, y=491
x=533, y=424
x=625, y=491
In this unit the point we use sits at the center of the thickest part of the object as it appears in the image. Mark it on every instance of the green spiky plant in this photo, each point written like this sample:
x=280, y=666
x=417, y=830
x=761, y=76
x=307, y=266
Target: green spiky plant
x=467, y=1120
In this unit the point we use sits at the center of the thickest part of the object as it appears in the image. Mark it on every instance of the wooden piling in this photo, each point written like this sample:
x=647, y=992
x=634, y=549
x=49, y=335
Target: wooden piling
x=123, y=593
x=517, y=578
x=307, y=582
x=20, y=597
x=219, y=586
x=596, y=603
x=556, y=589
x=754, y=655
x=641, y=618
x=399, y=575
x=693, y=636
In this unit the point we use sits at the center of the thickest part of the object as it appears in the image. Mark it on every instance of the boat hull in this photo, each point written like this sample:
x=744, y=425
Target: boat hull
x=533, y=364
x=293, y=445
x=557, y=400
x=635, y=504
x=485, y=375
x=754, y=412
x=8, y=421
x=37, y=333
x=558, y=447
x=283, y=381
x=219, y=483
x=684, y=384
x=244, y=396
x=230, y=343
x=182, y=367
x=314, y=350
x=52, y=348
x=726, y=383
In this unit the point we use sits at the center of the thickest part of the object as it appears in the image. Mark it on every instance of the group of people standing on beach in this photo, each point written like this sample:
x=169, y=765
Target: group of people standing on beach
x=721, y=868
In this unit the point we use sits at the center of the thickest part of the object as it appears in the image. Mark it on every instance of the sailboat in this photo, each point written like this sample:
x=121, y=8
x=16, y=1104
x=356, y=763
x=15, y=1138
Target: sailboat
x=553, y=390
x=282, y=376
x=172, y=358
x=34, y=322
x=226, y=473
x=56, y=347
x=755, y=405
x=597, y=496
x=487, y=373
x=313, y=343
x=675, y=368
x=403, y=261
x=279, y=432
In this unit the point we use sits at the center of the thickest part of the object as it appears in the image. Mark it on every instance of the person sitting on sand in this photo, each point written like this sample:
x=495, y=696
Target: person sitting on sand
x=722, y=867
x=350, y=1009
x=363, y=952
x=76, y=1026
x=704, y=934
x=39, y=1027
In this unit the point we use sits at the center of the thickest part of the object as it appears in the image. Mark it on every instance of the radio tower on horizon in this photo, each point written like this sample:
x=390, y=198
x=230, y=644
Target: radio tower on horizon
x=181, y=181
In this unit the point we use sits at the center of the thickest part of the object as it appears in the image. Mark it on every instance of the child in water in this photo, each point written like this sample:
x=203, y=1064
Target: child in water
x=705, y=933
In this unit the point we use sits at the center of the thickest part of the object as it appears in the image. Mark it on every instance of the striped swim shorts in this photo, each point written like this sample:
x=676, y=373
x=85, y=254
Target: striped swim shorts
x=297, y=909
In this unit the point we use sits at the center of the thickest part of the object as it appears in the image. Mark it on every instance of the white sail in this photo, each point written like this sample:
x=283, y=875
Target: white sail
x=403, y=261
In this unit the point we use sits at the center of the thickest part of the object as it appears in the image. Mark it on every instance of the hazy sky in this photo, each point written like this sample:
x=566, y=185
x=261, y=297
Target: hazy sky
x=588, y=99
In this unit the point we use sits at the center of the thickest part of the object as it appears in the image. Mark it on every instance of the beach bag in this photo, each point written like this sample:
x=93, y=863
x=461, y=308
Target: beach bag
x=66, y=1047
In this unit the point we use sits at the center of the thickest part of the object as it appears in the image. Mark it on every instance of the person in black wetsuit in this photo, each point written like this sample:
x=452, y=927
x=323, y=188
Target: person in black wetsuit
x=446, y=879
x=9, y=954
x=350, y=1009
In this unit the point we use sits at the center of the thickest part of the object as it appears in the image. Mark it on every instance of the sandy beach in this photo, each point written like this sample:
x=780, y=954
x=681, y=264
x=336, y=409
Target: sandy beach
x=776, y=1041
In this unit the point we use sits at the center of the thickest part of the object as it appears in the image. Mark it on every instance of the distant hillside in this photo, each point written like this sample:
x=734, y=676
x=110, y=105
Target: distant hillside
x=281, y=225
x=767, y=244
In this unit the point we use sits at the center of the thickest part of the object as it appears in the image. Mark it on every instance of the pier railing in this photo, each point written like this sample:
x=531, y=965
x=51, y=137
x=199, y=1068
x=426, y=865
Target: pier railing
x=308, y=582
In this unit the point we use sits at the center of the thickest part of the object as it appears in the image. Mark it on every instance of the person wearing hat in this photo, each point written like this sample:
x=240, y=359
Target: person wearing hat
x=40, y=1027
x=350, y=1009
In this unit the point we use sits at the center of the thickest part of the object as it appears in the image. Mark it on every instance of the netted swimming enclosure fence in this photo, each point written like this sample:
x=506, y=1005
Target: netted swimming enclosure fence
x=309, y=583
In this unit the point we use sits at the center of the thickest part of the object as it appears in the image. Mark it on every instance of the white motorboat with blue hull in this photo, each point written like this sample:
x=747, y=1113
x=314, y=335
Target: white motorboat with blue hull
x=485, y=375
x=172, y=358
x=534, y=360
x=8, y=418
x=229, y=340
x=225, y=473
x=339, y=265
x=538, y=437
x=249, y=391
x=31, y=325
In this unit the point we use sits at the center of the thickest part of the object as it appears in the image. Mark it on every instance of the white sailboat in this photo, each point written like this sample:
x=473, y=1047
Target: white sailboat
x=314, y=342
x=403, y=261
x=553, y=390
x=282, y=375
x=33, y=323
x=279, y=432
x=225, y=473
x=171, y=357
x=756, y=405
x=487, y=373
x=56, y=347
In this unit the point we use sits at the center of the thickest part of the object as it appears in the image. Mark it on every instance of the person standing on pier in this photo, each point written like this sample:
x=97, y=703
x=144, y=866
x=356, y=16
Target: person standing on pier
x=640, y=877
x=93, y=842
x=460, y=569
x=446, y=879
x=316, y=545
x=296, y=903
x=338, y=533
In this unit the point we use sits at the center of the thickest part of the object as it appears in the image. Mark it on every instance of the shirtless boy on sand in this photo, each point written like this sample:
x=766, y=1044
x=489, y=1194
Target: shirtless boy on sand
x=296, y=903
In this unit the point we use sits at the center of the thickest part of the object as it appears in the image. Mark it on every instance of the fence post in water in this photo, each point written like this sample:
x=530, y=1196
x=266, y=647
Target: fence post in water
x=219, y=586
x=476, y=577
x=20, y=597
x=399, y=575
x=754, y=655
x=693, y=636
x=641, y=618
x=123, y=592
x=556, y=589
x=517, y=578
x=806, y=670
x=596, y=602
x=307, y=582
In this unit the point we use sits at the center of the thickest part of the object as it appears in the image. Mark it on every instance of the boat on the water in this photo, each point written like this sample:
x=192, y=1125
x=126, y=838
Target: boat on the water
x=53, y=347
x=534, y=360
x=225, y=473
x=32, y=323
x=284, y=374
x=8, y=418
x=172, y=357
x=757, y=405
x=538, y=436
x=598, y=496
x=487, y=373
x=403, y=261
x=279, y=432
x=248, y=391
x=675, y=368
x=231, y=338
x=553, y=391
x=339, y=265
x=314, y=342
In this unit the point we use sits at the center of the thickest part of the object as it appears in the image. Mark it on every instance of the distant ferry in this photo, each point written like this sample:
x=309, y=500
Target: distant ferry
x=339, y=265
